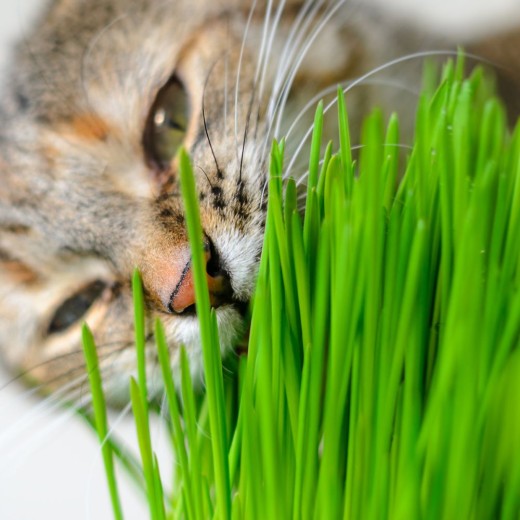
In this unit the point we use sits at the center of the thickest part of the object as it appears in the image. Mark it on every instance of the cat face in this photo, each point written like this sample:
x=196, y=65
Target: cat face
x=100, y=97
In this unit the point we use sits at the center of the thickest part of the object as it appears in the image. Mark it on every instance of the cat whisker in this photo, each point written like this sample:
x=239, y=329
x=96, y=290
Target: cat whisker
x=268, y=56
x=74, y=392
x=212, y=68
x=115, y=423
x=239, y=71
x=246, y=130
x=17, y=455
x=303, y=177
x=205, y=174
x=281, y=90
x=307, y=45
x=267, y=60
x=92, y=472
x=74, y=352
x=281, y=67
x=298, y=30
x=364, y=77
x=49, y=404
x=264, y=55
x=163, y=409
x=226, y=79
x=261, y=58
x=333, y=88
x=266, y=184
x=26, y=448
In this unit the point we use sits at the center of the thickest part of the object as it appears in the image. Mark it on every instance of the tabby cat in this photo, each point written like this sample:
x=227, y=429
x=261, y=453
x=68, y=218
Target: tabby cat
x=98, y=100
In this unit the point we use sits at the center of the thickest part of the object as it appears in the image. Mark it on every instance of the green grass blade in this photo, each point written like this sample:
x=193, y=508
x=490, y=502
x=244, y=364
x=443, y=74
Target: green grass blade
x=190, y=420
x=210, y=347
x=100, y=418
x=145, y=449
x=140, y=335
x=175, y=417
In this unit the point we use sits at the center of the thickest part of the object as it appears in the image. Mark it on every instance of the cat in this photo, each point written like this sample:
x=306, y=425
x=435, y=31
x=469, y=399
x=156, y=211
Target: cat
x=99, y=98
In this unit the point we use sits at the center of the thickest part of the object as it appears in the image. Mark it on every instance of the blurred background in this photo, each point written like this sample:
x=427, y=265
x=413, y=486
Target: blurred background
x=50, y=463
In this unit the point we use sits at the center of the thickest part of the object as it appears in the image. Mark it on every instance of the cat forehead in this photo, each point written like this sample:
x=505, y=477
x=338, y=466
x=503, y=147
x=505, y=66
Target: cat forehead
x=131, y=45
x=109, y=58
x=74, y=54
x=100, y=74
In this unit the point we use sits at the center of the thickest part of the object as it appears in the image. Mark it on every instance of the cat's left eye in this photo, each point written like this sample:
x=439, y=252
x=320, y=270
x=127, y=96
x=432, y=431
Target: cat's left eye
x=75, y=307
x=167, y=124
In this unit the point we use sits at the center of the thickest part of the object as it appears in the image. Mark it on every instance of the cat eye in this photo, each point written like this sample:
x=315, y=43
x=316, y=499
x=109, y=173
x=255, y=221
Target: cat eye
x=75, y=307
x=167, y=124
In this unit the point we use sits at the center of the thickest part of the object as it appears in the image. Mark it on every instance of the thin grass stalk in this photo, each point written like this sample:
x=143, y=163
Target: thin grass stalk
x=100, y=418
x=211, y=350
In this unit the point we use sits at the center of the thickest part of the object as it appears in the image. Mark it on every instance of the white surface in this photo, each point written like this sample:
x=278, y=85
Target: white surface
x=464, y=17
x=50, y=464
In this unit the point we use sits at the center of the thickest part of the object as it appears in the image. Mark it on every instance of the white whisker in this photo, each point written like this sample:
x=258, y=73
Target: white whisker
x=353, y=148
x=226, y=79
x=19, y=455
x=114, y=425
x=278, y=99
x=333, y=88
x=272, y=35
x=239, y=71
x=364, y=77
x=298, y=30
x=289, y=81
x=260, y=60
x=48, y=404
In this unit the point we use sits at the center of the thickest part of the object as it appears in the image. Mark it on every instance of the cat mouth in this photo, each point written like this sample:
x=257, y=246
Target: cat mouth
x=191, y=311
x=232, y=323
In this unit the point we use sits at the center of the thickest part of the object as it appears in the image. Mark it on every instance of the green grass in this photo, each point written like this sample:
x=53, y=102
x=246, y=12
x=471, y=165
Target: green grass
x=382, y=378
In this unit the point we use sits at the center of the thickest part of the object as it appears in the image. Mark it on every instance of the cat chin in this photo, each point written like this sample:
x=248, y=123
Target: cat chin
x=184, y=330
x=180, y=330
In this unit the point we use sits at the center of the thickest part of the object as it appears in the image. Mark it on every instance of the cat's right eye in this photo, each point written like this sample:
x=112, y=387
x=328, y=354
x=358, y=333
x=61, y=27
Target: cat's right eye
x=167, y=124
x=75, y=307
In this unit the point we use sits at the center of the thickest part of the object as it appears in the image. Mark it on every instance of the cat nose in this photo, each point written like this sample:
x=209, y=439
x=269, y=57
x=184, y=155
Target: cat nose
x=168, y=280
x=182, y=298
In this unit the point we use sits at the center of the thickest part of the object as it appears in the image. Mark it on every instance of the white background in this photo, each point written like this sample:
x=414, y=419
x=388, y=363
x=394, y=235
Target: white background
x=50, y=464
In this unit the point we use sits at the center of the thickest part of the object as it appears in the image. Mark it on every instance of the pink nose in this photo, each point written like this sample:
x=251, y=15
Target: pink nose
x=170, y=285
x=183, y=296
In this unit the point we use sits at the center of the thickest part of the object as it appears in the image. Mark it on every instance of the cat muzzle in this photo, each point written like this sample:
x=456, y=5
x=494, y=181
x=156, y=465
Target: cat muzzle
x=182, y=298
x=169, y=284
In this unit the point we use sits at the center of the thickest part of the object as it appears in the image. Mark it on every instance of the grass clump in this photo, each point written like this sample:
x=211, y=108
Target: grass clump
x=382, y=378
